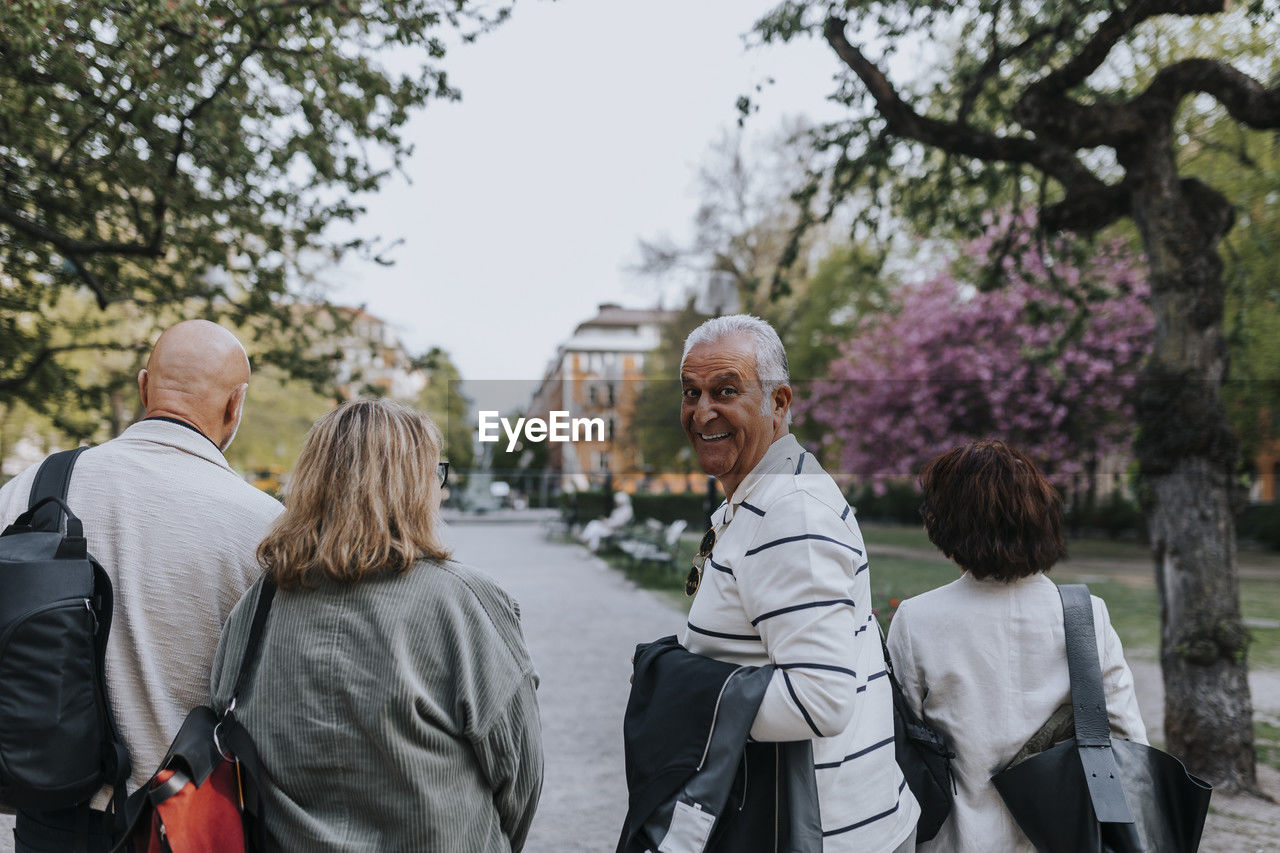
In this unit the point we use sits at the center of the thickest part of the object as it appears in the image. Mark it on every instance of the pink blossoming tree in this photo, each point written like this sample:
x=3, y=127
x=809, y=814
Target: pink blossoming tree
x=955, y=363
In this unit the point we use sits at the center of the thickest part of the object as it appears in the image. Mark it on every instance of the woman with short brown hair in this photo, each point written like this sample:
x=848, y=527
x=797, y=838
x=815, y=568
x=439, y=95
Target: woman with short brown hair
x=393, y=706
x=983, y=659
x=987, y=507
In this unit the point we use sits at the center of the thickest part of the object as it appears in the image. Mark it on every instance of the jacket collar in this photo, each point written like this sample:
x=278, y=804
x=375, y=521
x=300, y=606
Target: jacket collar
x=177, y=436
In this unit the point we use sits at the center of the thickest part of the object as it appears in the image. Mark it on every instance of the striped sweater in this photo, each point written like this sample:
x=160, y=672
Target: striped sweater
x=788, y=583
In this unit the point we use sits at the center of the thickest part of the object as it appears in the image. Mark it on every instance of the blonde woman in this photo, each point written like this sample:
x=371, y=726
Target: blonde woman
x=393, y=706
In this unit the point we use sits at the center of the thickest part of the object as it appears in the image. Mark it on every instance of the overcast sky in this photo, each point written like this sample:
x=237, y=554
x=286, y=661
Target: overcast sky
x=581, y=129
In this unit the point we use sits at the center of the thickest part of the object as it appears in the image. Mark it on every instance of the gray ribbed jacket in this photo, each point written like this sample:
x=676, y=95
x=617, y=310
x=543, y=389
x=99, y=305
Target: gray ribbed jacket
x=395, y=714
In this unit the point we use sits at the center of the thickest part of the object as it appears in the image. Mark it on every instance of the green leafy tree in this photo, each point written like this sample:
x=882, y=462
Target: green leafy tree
x=655, y=423
x=524, y=467
x=819, y=312
x=17, y=423
x=1048, y=97
x=278, y=412
x=192, y=154
x=443, y=400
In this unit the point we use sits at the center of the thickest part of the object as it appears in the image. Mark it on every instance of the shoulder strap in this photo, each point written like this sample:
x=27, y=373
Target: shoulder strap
x=52, y=480
x=888, y=660
x=1089, y=705
x=249, y=661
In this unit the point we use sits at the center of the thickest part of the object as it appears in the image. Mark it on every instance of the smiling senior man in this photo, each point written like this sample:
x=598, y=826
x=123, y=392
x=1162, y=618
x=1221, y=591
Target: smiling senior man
x=786, y=582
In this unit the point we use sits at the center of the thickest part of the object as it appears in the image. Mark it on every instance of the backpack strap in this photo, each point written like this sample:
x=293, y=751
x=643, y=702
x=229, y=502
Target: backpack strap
x=1089, y=704
x=52, y=480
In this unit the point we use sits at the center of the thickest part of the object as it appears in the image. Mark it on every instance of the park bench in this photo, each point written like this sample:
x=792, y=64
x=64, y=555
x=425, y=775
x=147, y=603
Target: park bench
x=562, y=525
x=652, y=542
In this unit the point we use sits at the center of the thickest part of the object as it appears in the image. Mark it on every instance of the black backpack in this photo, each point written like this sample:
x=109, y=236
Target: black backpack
x=58, y=741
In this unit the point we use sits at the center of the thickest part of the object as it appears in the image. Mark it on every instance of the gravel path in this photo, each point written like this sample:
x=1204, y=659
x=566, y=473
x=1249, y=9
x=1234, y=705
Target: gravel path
x=582, y=621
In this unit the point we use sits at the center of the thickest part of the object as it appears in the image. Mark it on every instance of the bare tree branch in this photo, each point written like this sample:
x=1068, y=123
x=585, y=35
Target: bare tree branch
x=1247, y=100
x=71, y=246
x=41, y=358
x=1095, y=51
x=1061, y=163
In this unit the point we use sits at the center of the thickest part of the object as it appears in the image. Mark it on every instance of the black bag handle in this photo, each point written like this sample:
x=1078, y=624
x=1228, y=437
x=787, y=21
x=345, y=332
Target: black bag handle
x=249, y=661
x=51, y=507
x=52, y=480
x=1089, y=707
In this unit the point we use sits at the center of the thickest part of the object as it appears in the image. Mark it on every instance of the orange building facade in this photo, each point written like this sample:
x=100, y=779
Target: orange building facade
x=598, y=373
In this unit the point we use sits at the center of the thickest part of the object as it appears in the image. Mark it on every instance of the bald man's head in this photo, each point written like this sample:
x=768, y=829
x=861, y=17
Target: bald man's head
x=198, y=372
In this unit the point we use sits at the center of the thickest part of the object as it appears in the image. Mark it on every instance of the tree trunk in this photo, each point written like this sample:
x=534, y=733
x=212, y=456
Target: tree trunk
x=1187, y=453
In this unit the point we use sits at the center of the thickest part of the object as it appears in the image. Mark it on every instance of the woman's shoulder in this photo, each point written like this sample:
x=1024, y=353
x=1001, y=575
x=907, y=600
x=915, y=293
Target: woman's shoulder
x=974, y=595
x=471, y=594
x=940, y=599
x=452, y=577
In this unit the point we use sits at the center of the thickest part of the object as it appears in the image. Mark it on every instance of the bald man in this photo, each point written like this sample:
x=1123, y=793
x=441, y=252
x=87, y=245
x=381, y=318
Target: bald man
x=176, y=529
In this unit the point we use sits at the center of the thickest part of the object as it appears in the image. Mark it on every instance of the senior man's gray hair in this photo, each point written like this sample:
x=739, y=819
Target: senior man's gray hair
x=771, y=358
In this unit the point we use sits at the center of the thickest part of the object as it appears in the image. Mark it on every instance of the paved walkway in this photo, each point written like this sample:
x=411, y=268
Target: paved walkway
x=582, y=621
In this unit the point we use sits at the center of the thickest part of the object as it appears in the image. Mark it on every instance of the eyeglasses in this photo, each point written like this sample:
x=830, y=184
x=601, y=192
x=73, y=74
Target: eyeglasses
x=442, y=471
x=705, y=547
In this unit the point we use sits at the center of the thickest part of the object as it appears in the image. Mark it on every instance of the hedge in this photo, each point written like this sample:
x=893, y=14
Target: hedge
x=900, y=504
x=1261, y=523
x=1115, y=516
x=664, y=508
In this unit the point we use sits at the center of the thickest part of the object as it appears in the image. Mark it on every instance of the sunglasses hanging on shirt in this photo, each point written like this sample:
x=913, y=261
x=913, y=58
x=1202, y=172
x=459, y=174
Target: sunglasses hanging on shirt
x=705, y=547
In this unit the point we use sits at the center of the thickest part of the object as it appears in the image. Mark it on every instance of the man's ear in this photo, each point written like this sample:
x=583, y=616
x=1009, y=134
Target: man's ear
x=781, y=400
x=235, y=408
x=142, y=387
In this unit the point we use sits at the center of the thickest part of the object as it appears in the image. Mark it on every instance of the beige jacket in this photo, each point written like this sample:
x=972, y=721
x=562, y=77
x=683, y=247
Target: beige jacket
x=985, y=662
x=176, y=529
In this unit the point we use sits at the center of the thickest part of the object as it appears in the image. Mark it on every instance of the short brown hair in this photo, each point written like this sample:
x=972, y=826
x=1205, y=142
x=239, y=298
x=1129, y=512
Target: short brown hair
x=988, y=507
x=364, y=497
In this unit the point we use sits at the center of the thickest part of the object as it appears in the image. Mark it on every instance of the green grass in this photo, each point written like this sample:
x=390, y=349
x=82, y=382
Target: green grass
x=897, y=535
x=1134, y=611
x=1131, y=598
x=1266, y=743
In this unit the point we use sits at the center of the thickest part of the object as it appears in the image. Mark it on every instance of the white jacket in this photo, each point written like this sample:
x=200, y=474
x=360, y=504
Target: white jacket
x=985, y=662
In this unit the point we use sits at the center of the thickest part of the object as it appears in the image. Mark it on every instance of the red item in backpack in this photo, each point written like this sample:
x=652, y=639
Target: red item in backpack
x=189, y=819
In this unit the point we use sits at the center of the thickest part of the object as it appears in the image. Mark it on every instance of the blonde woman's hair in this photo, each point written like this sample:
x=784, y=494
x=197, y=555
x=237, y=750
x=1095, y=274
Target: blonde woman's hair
x=364, y=497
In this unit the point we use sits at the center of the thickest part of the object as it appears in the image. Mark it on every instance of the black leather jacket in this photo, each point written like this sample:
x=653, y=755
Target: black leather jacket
x=695, y=782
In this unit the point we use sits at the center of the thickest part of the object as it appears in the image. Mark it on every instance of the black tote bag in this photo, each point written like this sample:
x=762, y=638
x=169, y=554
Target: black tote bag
x=923, y=756
x=1095, y=794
